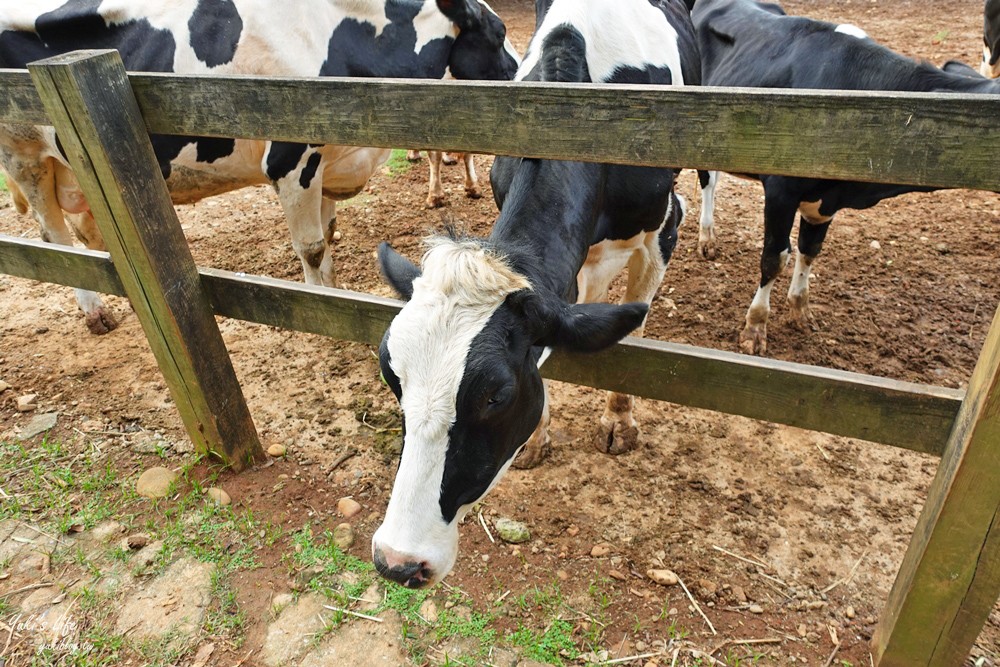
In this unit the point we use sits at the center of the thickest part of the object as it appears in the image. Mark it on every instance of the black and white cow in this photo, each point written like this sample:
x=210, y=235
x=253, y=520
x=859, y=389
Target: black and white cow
x=991, y=40
x=748, y=43
x=377, y=38
x=462, y=356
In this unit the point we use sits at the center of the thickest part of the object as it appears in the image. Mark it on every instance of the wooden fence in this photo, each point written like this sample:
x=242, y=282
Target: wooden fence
x=950, y=576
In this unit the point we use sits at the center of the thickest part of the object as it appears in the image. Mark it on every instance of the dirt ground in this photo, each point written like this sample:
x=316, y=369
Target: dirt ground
x=826, y=518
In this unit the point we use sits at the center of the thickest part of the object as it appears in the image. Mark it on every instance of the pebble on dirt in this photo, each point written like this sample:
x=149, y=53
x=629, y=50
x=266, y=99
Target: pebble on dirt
x=429, y=611
x=756, y=609
x=512, y=532
x=155, y=482
x=600, y=550
x=349, y=507
x=38, y=424
x=3, y=386
x=136, y=541
x=662, y=577
x=218, y=496
x=343, y=536
x=26, y=403
x=276, y=451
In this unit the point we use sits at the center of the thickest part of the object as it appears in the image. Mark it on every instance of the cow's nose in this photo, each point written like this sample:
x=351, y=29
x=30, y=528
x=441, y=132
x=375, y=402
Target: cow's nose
x=401, y=568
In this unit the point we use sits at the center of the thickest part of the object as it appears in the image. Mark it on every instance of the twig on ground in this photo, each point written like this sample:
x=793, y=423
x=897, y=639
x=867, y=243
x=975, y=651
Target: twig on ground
x=353, y=613
x=698, y=608
x=22, y=589
x=829, y=661
x=43, y=533
x=822, y=451
x=850, y=575
x=10, y=629
x=482, y=522
x=630, y=658
x=774, y=579
x=752, y=561
x=245, y=658
x=673, y=661
x=340, y=460
x=501, y=598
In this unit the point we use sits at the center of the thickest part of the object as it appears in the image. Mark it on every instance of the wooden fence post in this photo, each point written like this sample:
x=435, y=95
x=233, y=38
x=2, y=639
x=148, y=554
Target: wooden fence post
x=89, y=100
x=950, y=576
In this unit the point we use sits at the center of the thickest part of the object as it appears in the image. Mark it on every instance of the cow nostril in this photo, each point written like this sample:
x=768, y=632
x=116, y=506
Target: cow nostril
x=412, y=574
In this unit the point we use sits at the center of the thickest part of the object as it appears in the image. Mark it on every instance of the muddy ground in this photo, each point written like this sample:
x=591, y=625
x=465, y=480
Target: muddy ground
x=827, y=518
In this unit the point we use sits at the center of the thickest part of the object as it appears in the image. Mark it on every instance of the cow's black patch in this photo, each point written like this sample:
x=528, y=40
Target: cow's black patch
x=77, y=25
x=308, y=171
x=282, y=158
x=215, y=28
x=211, y=149
x=355, y=50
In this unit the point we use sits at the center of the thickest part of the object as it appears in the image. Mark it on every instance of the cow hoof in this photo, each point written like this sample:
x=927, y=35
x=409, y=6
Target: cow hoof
x=449, y=159
x=706, y=249
x=616, y=437
x=413, y=156
x=101, y=322
x=753, y=340
x=473, y=193
x=435, y=201
x=531, y=455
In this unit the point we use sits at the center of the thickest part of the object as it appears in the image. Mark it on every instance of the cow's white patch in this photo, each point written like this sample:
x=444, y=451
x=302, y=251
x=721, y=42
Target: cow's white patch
x=606, y=27
x=706, y=220
x=810, y=212
x=460, y=287
x=799, y=285
x=852, y=30
x=431, y=24
x=986, y=69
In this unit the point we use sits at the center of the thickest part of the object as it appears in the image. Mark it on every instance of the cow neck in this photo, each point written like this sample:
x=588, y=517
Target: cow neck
x=548, y=221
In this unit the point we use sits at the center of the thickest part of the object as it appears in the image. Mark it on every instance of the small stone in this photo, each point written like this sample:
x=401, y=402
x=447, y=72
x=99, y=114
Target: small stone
x=662, y=577
x=563, y=575
x=343, y=535
x=155, y=482
x=512, y=532
x=756, y=609
x=348, y=507
x=942, y=248
x=802, y=630
x=337, y=235
x=739, y=594
x=136, y=541
x=3, y=386
x=218, y=496
x=276, y=450
x=38, y=424
x=26, y=403
x=615, y=574
x=875, y=245
x=429, y=611
x=850, y=613
x=572, y=531
x=600, y=550
x=706, y=588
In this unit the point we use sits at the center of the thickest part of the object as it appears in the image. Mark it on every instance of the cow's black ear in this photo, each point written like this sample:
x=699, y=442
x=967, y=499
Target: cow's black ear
x=398, y=271
x=466, y=14
x=589, y=327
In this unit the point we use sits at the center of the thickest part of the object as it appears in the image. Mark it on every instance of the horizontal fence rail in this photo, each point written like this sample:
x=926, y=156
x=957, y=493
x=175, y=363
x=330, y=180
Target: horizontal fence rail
x=942, y=140
x=907, y=415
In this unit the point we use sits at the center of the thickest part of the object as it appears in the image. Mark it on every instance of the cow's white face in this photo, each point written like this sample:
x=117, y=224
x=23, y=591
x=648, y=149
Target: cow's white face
x=461, y=357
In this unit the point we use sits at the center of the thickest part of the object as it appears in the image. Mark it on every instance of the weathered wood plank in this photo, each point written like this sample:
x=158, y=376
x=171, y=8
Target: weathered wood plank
x=950, y=576
x=87, y=95
x=19, y=101
x=60, y=264
x=922, y=139
x=912, y=416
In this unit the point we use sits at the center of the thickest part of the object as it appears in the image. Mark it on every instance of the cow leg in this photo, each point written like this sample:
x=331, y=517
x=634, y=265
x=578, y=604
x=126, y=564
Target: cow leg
x=37, y=182
x=449, y=159
x=811, y=236
x=538, y=445
x=435, y=193
x=779, y=215
x=307, y=213
x=709, y=180
x=20, y=201
x=472, y=190
x=412, y=155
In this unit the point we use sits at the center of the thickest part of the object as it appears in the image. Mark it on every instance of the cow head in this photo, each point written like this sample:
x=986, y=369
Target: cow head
x=461, y=357
x=481, y=50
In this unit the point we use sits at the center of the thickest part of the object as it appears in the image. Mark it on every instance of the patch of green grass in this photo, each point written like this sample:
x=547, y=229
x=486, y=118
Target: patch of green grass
x=550, y=645
x=225, y=618
x=397, y=164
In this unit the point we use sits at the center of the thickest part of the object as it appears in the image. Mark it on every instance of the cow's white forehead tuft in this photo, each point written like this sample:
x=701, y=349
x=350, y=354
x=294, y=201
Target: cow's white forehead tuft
x=467, y=272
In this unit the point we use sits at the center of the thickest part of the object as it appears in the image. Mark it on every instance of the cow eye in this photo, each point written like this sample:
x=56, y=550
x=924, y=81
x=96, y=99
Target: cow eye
x=500, y=397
